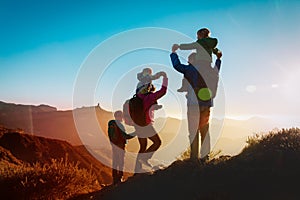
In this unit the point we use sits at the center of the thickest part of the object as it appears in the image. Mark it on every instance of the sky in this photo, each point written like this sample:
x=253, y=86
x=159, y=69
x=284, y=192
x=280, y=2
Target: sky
x=45, y=45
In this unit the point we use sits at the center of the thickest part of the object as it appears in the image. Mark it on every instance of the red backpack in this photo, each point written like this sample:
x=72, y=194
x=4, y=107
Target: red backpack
x=133, y=112
x=115, y=133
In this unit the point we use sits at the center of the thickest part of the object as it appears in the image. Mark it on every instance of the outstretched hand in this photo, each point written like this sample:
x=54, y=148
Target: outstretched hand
x=219, y=54
x=175, y=47
x=163, y=74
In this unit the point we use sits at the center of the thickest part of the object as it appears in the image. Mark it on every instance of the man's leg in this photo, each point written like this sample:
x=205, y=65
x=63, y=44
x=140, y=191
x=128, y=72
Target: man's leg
x=194, y=147
x=204, y=131
x=193, y=116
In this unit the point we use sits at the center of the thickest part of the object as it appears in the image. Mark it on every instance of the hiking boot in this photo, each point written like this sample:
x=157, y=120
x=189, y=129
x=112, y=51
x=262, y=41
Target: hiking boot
x=123, y=179
x=182, y=89
x=204, y=160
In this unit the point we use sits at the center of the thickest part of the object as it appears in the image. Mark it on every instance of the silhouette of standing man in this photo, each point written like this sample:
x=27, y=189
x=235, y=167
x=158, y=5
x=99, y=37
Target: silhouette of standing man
x=198, y=105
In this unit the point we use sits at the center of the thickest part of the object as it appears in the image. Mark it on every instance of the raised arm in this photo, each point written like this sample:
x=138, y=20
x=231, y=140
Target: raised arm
x=151, y=98
x=218, y=61
x=189, y=46
x=177, y=64
x=163, y=89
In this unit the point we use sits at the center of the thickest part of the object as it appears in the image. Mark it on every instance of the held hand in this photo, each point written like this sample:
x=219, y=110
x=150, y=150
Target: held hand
x=132, y=134
x=175, y=47
x=163, y=74
x=219, y=54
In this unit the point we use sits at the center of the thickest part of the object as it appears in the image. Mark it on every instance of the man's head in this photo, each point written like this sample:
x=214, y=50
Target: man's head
x=118, y=115
x=203, y=33
x=191, y=58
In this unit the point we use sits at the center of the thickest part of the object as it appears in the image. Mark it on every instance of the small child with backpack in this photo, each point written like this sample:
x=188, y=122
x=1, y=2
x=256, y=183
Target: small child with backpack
x=118, y=138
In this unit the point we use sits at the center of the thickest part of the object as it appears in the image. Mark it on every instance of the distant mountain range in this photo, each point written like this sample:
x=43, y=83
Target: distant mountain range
x=46, y=121
x=228, y=135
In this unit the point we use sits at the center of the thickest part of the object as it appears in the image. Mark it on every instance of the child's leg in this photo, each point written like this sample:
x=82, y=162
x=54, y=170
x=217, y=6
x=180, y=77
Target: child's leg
x=184, y=85
x=115, y=163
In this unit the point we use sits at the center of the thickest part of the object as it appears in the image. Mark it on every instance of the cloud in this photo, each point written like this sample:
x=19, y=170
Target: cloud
x=274, y=85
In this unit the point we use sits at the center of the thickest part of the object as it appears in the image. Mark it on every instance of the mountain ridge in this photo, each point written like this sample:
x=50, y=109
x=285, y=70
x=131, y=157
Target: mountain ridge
x=47, y=121
x=57, y=124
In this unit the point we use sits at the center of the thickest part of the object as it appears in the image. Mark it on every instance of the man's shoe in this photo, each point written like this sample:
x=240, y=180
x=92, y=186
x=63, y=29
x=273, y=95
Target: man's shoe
x=205, y=159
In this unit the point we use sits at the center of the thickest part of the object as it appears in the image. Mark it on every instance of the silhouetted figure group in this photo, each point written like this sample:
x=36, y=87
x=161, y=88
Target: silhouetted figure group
x=200, y=83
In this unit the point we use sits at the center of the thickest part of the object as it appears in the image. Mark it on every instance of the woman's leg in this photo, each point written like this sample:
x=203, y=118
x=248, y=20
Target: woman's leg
x=155, y=145
x=143, y=144
x=156, y=142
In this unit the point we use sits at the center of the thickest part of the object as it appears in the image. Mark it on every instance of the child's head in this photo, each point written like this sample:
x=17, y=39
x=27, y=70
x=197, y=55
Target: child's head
x=118, y=115
x=145, y=73
x=203, y=33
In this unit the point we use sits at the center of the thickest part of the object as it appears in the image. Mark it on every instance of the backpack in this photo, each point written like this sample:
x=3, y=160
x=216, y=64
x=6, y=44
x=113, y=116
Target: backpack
x=206, y=88
x=133, y=112
x=126, y=114
x=115, y=133
x=211, y=80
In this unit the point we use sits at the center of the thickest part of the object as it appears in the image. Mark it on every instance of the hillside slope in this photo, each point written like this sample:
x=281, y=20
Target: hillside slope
x=268, y=168
x=17, y=148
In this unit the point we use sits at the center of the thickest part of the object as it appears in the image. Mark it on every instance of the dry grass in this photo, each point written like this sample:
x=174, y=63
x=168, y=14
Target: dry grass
x=58, y=180
x=281, y=141
x=266, y=169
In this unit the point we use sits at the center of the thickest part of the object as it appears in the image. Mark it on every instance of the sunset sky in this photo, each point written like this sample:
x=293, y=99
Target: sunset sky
x=44, y=44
